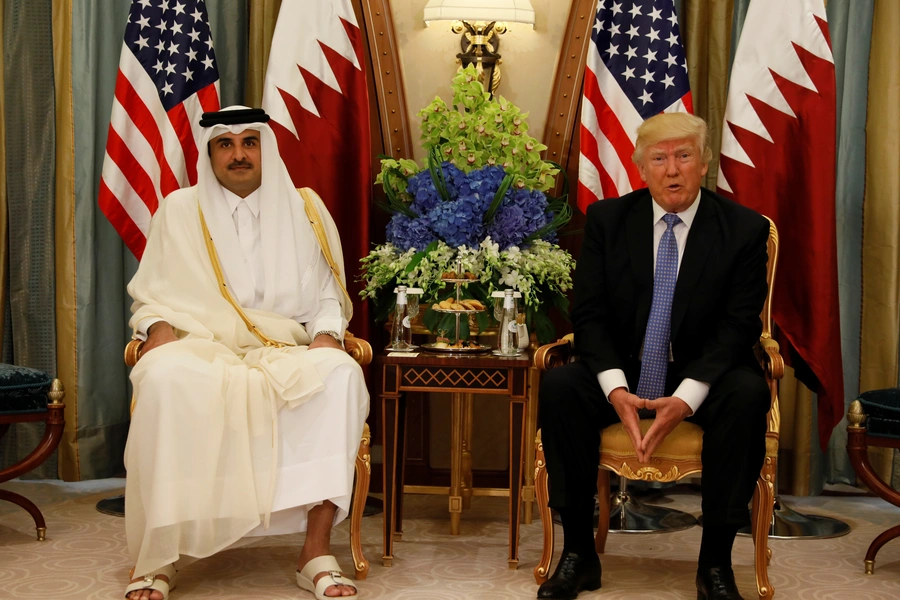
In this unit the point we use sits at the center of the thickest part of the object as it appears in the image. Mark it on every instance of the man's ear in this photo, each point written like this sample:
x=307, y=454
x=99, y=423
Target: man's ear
x=640, y=167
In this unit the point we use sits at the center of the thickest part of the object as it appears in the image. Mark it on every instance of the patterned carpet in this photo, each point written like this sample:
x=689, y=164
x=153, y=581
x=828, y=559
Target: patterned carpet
x=85, y=557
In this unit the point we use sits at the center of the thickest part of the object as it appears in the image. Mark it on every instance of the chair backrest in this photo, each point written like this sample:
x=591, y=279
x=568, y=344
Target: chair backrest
x=771, y=264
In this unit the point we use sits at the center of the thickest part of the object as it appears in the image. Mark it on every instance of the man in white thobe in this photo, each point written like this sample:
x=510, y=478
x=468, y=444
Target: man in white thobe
x=248, y=412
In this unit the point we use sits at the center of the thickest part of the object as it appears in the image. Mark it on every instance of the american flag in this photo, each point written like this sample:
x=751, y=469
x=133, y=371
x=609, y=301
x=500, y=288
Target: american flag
x=635, y=69
x=167, y=78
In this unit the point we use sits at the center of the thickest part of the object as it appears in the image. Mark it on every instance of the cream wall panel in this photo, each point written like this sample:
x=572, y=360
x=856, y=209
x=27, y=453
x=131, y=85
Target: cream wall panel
x=428, y=56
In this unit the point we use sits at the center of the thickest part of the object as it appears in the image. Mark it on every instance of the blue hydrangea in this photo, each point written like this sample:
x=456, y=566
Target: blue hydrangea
x=521, y=213
x=508, y=228
x=459, y=222
x=405, y=232
x=484, y=182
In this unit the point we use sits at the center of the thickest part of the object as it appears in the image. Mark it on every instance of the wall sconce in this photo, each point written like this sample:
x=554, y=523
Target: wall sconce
x=480, y=22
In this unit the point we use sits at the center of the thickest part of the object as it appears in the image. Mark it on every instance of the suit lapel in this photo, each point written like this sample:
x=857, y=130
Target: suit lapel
x=639, y=231
x=701, y=242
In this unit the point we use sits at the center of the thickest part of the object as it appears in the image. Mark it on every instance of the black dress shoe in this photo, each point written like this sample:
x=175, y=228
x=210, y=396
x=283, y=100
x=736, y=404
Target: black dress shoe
x=573, y=574
x=717, y=583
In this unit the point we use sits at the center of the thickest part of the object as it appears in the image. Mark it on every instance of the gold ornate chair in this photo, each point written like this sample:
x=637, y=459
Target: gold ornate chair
x=361, y=351
x=679, y=454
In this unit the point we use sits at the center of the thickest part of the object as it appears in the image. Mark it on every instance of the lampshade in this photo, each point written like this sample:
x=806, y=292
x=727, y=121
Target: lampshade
x=509, y=11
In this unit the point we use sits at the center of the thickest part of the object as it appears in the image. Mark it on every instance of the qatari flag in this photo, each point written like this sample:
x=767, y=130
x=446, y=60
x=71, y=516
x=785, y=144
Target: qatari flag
x=315, y=92
x=778, y=157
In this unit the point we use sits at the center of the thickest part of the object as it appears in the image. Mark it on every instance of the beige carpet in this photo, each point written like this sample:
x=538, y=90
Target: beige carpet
x=85, y=557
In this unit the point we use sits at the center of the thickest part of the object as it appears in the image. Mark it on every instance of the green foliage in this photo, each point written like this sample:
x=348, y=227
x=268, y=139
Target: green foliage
x=476, y=131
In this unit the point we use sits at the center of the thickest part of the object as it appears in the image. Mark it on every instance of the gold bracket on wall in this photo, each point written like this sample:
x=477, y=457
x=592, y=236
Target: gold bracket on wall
x=388, y=79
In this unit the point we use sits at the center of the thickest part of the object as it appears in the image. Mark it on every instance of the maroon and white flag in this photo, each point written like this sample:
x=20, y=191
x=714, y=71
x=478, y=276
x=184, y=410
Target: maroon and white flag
x=778, y=157
x=316, y=94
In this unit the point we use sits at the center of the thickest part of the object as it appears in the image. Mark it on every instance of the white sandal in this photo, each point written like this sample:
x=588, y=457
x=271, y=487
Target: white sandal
x=153, y=582
x=333, y=576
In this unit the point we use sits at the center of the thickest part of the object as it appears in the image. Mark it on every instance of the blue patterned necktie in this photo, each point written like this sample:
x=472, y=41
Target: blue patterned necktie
x=655, y=360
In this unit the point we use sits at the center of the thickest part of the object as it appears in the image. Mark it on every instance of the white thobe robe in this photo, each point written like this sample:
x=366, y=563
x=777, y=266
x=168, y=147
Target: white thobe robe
x=202, y=446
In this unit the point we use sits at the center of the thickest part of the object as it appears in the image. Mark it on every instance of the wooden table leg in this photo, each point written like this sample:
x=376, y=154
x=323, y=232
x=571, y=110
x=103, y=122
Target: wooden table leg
x=516, y=449
x=400, y=478
x=457, y=415
x=467, y=430
x=389, y=415
x=531, y=414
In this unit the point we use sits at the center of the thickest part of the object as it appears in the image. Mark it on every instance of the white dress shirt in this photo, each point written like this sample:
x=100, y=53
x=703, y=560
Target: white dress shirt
x=691, y=391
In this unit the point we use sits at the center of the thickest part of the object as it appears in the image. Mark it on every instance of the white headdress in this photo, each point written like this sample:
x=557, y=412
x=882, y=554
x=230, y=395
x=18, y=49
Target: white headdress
x=289, y=248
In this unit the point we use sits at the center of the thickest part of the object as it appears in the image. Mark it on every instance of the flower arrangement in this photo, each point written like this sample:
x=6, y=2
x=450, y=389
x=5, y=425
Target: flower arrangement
x=479, y=204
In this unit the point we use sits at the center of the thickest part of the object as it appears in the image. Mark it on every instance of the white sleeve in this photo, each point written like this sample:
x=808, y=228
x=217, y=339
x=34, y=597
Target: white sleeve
x=329, y=316
x=611, y=379
x=693, y=393
x=143, y=326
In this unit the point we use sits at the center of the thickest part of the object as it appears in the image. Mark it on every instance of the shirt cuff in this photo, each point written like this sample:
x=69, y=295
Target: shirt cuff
x=143, y=326
x=611, y=379
x=693, y=393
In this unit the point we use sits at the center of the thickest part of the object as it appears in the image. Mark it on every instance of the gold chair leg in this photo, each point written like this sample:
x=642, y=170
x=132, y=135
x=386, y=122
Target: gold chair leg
x=542, y=570
x=360, y=493
x=763, y=506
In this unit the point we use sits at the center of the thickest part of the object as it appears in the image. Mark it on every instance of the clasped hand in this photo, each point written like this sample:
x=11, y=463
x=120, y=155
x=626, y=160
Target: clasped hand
x=670, y=411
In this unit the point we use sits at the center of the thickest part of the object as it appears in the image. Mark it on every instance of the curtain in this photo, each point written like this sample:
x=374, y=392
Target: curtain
x=851, y=34
x=263, y=15
x=708, y=44
x=29, y=155
x=4, y=261
x=65, y=230
x=881, y=235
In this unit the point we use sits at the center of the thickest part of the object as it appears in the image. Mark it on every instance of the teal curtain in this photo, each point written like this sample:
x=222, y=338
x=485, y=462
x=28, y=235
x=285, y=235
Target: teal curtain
x=103, y=264
x=850, y=23
x=29, y=155
x=101, y=261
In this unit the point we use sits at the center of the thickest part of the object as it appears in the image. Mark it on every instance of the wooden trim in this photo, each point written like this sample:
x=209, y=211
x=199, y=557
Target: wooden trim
x=388, y=78
x=563, y=117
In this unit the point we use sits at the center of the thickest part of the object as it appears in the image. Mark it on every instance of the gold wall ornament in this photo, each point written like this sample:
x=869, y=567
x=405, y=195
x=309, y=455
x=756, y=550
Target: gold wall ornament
x=479, y=24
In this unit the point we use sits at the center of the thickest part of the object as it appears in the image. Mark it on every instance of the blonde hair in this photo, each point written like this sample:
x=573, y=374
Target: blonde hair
x=672, y=126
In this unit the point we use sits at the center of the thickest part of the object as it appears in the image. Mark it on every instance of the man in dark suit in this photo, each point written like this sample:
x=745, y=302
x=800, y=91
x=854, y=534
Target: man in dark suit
x=668, y=293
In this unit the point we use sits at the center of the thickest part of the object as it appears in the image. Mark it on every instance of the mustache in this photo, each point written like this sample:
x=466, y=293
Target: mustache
x=240, y=164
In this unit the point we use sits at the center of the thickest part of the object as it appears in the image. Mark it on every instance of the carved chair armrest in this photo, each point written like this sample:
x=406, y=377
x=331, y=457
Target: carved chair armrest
x=359, y=349
x=770, y=358
x=554, y=354
x=133, y=352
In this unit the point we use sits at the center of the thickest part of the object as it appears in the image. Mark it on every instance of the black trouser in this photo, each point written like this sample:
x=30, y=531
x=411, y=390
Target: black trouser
x=573, y=411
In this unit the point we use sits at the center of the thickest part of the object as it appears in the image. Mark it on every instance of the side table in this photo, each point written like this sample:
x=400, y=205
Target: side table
x=874, y=421
x=462, y=376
